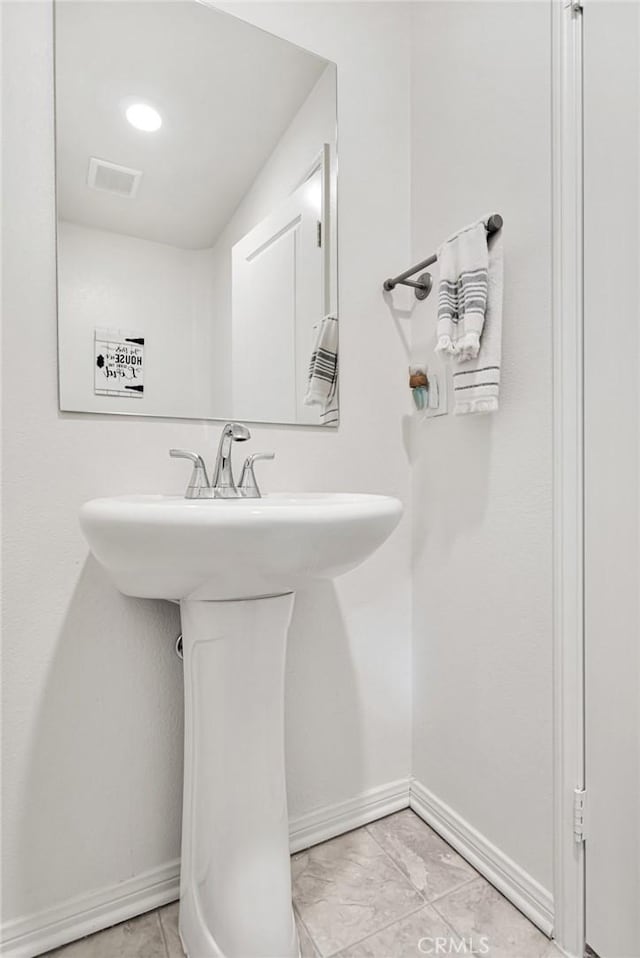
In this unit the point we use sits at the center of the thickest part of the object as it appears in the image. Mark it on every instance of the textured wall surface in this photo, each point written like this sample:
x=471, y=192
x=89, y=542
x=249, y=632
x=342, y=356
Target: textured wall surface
x=482, y=486
x=92, y=698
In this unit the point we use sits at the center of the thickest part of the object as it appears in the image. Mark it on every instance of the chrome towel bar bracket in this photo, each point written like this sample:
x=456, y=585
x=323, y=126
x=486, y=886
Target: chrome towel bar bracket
x=425, y=282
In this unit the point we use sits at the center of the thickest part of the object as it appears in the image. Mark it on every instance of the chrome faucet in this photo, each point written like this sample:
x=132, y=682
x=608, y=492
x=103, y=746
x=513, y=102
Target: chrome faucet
x=222, y=485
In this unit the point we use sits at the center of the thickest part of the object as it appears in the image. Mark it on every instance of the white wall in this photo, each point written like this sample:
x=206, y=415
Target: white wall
x=92, y=689
x=482, y=485
x=108, y=280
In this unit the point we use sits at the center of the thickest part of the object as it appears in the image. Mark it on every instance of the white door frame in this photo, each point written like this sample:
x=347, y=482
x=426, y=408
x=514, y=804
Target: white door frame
x=568, y=415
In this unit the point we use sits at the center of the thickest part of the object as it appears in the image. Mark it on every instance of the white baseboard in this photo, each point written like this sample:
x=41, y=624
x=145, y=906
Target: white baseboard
x=80, y=916
x=332, y=820
x=509, y=878
x=73, y=919
x=35, y=934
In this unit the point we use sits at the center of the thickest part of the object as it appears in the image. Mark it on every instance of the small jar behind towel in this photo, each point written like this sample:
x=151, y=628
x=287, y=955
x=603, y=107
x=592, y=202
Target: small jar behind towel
x=419, y=385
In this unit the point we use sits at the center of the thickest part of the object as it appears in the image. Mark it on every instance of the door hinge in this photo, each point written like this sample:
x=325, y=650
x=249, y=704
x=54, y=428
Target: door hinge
x=579, y=814
x=319, y=233
x=576, y=6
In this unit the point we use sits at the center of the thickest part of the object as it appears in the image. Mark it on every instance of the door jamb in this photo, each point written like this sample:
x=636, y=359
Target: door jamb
x=568, y=479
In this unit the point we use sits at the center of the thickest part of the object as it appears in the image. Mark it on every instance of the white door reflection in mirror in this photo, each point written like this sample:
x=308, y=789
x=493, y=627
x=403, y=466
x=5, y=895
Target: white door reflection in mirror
x=278, y=299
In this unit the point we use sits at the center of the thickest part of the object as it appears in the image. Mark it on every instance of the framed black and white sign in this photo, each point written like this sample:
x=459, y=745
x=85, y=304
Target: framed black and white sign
x=118, y=363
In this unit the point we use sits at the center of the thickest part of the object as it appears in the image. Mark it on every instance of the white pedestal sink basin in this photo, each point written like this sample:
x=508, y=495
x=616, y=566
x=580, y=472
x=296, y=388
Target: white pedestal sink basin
x=233, y=564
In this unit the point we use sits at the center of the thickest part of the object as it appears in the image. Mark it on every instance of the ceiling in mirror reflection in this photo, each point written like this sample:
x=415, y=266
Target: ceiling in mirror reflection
x=222, y=114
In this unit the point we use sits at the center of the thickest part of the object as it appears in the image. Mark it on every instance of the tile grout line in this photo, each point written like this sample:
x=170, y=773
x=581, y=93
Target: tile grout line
x=480, y=878
x=396, y=865
x=445, y=920
x=449, y=891
x=430, y=902
x=406, y=881
x=454, y=931
x=336, y=954
x=455, y=888
x=162, y=934
x=296, y=914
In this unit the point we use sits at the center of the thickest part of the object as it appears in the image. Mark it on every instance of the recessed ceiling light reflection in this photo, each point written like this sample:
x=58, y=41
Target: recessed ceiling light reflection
x=143, y=117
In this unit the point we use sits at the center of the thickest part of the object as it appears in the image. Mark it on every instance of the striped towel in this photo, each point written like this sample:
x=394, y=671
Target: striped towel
x=470, y=316
x=322, y=384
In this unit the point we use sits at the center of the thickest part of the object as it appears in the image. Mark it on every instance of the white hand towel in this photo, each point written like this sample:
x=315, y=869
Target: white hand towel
x=322, y=385
x=470, y=316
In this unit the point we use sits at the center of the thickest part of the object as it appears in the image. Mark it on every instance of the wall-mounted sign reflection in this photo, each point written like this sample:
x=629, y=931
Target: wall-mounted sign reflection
x=119, y=363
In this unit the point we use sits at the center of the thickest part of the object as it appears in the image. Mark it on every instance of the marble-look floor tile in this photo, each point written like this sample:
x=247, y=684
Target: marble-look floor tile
x=417, y=934
x=486, y=920
x=139, y=938
x=307, y=947
x=347, y=888
x=431, y=865
x=169, y=921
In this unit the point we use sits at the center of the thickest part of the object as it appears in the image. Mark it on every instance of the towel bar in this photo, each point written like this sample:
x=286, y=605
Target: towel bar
x=424, y=284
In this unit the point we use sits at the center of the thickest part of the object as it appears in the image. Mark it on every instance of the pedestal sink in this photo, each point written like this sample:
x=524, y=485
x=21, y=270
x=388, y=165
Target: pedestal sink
x=234, y=566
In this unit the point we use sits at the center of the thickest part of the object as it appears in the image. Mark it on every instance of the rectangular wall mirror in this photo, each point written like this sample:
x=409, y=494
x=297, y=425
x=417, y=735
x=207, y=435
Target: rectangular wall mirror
x=196, y=212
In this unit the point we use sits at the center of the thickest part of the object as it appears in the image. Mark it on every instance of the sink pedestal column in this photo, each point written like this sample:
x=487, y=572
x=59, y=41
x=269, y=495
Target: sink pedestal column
x=235, y=887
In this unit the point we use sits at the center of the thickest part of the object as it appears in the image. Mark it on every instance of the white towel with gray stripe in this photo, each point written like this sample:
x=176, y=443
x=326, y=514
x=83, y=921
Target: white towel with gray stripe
x=470, y=316
x=322, y=383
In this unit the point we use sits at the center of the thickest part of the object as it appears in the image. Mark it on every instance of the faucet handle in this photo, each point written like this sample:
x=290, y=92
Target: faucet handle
x=198, y=487
x=248, y=486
